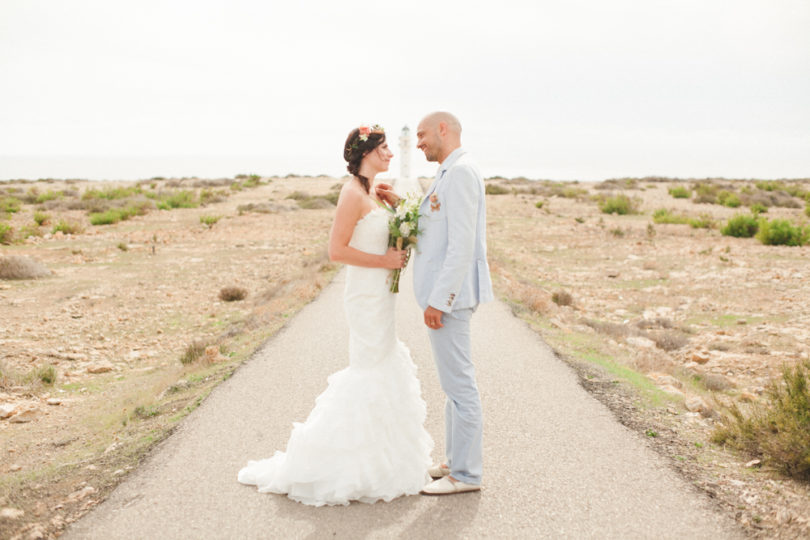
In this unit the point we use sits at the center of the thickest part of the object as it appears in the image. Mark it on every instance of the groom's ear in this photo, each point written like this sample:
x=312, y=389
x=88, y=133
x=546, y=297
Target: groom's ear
x=442, y=128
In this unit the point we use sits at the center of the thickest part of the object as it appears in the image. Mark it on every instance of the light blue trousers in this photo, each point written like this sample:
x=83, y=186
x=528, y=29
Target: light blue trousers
x=462, y=414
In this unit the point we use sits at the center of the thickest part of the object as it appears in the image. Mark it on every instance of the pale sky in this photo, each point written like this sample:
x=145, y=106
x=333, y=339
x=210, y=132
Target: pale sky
x=576, y=89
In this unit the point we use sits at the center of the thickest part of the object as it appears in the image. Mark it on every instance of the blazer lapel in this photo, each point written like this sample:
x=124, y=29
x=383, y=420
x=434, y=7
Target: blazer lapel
x=433, y=186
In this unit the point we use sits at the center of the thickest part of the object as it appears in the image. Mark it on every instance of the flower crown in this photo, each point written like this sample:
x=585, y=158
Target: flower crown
x=365, y=131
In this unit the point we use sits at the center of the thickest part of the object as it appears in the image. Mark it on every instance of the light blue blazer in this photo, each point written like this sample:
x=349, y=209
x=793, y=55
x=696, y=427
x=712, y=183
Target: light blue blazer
x=450, y=270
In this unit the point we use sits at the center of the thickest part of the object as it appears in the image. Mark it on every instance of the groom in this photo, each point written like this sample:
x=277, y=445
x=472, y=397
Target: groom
x=451, y=277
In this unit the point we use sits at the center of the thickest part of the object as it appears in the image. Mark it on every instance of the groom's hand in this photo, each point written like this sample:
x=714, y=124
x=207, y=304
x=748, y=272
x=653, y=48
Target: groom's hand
x=385, y=192
x=433, y=318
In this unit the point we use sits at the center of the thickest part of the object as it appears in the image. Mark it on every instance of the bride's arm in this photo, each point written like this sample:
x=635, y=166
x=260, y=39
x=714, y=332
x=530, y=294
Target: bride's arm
x=348, y=213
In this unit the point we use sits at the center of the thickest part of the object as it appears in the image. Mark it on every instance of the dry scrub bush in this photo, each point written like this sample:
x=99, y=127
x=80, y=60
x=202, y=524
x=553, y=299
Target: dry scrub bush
x=299, y=195
x=613, y=329
x=194, y=352
x=232, y=294
x=212, y=196
x=562, y=298
x=315, y=203
x=778, y=430
x=528, y=297
x=262, y=208
x=68, y=227
x=618, y=183
x=716, y=383
x=16, y=267
x=496, y=189
x=669, y=340
x=658, y=322
x=216, y=182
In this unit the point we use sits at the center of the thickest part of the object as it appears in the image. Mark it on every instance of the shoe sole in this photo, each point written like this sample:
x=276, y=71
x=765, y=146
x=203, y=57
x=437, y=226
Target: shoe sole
x=450, y=492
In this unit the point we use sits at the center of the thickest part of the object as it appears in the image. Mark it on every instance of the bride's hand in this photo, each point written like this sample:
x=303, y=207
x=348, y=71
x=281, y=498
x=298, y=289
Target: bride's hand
x=385, y=192
x=394, y=258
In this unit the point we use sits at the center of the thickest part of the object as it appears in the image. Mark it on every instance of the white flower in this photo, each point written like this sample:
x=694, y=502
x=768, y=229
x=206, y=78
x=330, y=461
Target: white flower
x=402, y=210
x=405, y=228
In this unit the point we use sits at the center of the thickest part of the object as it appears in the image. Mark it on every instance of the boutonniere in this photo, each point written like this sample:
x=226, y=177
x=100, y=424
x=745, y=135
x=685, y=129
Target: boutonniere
x=435, y=205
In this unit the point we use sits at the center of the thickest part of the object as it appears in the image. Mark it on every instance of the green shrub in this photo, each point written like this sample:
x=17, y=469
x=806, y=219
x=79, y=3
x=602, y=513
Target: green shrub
x=68, y=227
x=179, y=199
x=758, y=208
x=777, y=430
x=209, y=221
x=41, y=218
x=252, y=181
x=680, y=192
x=741, y=226
x=731, y=200
x=619, y=204
x=114, y=215
x=9, y=205
x=767, y=185
x=6, y=233
x=111, y=193
x=703, y=221
x=538, y=204
x=496, y=189
x=106, y=218
x=807, y=210
x=662, y=215
x=48, y=196
x=781, y=232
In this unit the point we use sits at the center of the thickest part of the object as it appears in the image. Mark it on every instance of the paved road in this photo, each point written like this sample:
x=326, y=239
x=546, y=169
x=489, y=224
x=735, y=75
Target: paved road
x=557, y=464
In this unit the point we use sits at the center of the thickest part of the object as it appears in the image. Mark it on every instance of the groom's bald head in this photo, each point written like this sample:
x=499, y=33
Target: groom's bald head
x=438, y=117
x=438, y=134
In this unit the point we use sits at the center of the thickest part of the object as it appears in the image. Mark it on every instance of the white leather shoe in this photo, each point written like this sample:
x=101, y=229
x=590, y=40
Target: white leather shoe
x=439, y=470
x=445, y=486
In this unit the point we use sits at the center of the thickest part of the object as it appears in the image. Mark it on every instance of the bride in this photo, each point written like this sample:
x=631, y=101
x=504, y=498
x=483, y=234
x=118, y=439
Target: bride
x=364, y=440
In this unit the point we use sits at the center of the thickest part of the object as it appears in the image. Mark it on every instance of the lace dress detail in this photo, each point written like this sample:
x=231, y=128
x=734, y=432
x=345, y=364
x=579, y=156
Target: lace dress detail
x=365, y=439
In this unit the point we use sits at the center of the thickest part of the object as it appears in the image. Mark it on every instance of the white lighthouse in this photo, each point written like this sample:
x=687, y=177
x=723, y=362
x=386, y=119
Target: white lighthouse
x=405, y=184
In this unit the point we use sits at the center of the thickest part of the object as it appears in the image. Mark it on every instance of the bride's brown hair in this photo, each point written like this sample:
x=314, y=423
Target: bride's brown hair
x=357, y=148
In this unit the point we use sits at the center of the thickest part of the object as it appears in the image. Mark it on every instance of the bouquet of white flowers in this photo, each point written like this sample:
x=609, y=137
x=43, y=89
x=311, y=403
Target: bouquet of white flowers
x=403, y=226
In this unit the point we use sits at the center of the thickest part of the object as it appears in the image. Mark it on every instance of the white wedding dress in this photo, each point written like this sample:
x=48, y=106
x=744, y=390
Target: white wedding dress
x=365, y=438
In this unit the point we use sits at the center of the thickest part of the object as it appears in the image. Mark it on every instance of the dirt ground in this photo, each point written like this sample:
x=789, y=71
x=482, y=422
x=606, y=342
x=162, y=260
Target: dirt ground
x=124, y=303
x=666, y=324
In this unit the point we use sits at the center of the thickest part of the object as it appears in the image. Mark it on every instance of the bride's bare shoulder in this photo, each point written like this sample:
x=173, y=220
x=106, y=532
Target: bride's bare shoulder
x=350, y=193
